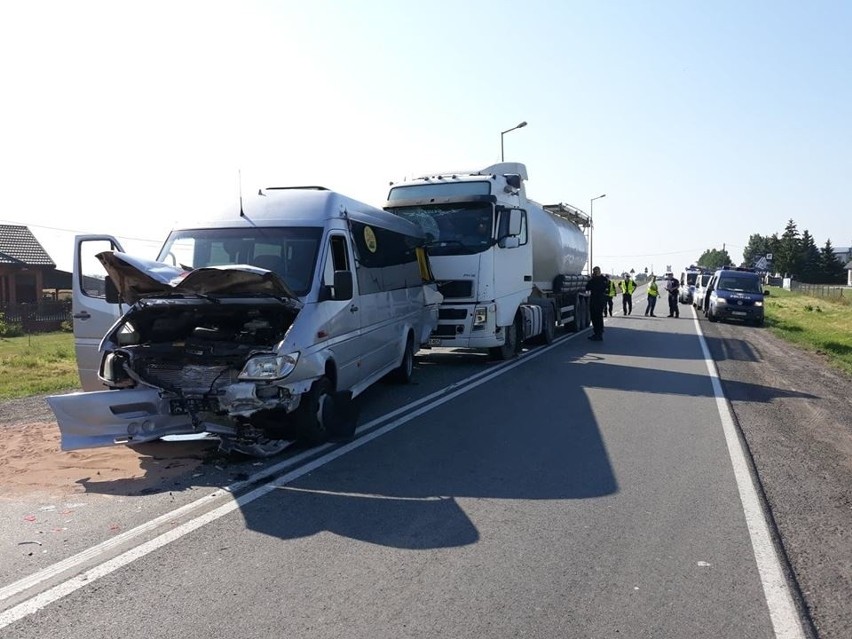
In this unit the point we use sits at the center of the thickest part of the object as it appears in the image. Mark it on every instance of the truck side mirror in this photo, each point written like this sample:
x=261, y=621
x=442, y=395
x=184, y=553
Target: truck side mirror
x=509, y=242
x=515, y=220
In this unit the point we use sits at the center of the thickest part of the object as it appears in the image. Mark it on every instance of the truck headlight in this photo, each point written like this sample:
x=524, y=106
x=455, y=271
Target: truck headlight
x=758, y=303
x=266, y=366
x=721, y=300
x=480, y=316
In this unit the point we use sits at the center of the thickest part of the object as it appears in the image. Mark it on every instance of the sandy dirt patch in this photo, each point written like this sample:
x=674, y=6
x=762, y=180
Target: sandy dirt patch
x=32, y=464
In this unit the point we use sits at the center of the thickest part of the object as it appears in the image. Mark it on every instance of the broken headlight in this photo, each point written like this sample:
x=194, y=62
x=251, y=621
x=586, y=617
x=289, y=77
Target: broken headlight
x=267, y=366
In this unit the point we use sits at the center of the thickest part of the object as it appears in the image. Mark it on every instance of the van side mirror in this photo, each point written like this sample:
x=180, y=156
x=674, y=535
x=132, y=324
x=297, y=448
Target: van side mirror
x=111, y=291
x=766, y=291
x=343, y=287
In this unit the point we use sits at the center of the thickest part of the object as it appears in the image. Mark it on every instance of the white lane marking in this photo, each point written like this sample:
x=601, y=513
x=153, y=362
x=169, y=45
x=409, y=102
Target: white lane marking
x=782, y=610
x=65, y=588
x=111, y=544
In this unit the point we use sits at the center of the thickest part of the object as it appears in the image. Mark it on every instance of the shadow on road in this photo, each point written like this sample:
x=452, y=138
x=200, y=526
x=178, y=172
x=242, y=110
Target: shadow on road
x=530, y=434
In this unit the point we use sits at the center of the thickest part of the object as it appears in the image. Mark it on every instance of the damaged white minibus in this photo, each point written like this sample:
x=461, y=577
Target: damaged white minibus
x=258, y=326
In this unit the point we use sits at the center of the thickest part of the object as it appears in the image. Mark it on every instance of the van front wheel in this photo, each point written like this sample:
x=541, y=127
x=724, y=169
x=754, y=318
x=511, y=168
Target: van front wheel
x=312, y=412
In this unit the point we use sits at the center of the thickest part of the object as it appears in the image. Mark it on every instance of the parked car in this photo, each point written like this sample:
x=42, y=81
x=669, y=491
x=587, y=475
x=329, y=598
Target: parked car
x=735, y=294
x=700, y=290
x=258, y=326
x=687, y=284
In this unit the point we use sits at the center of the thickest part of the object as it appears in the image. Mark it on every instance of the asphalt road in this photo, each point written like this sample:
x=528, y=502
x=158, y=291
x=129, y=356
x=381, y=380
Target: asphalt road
x=583, y=490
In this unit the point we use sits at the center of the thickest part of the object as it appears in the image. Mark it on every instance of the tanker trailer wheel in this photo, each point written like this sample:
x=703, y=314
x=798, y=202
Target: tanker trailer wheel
x=512, y=345
x=581, y=314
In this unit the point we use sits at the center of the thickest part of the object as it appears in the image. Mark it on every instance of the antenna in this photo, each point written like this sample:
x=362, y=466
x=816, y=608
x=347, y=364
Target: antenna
x=240, y=178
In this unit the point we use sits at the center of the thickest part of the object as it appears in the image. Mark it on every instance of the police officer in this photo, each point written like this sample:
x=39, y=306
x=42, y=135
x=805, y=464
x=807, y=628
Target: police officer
x=653, y=294
x=673, y=288
x=627, y=287
x=598, y=286
x=610, y=294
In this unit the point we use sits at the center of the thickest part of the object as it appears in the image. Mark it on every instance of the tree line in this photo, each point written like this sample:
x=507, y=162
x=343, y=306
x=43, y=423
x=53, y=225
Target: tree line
x=793, y=254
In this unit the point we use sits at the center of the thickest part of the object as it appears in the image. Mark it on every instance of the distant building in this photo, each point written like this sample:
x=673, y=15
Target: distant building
x=23, y=265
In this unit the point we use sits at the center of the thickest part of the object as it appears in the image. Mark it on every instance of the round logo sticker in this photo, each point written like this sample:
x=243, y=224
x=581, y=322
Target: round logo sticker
x=370, y=239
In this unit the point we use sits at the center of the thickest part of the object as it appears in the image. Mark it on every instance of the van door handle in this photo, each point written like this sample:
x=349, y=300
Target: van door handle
x=81, y=315
x=353, y=309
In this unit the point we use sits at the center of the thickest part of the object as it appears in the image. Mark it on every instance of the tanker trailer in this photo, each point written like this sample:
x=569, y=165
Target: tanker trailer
x=509, y=268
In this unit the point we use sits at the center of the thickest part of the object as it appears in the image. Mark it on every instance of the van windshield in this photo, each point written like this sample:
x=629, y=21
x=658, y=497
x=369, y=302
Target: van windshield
x=739, y=283
x=452, y=229
x=291, y=252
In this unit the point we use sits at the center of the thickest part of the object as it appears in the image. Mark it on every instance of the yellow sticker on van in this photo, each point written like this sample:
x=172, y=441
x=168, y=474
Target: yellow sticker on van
x=370, y=239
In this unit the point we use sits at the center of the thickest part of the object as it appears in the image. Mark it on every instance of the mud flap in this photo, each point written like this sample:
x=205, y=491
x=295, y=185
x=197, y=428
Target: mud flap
x=340, y=416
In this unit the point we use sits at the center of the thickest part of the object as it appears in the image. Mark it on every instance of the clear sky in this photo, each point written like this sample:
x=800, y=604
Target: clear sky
x=702, y=122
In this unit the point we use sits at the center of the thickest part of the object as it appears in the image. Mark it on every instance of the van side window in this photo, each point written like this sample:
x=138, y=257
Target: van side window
x=338, y=259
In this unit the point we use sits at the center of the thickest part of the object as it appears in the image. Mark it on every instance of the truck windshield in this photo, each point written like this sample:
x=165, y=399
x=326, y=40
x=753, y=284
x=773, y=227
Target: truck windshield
x=291, y=252
x=452, y=229
x=445, y=189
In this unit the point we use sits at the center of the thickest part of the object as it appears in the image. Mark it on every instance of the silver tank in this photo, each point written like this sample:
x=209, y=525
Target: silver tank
x=559, y=246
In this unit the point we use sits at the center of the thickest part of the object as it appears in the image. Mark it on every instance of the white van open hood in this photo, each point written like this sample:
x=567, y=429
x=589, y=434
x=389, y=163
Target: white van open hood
x=136, y=278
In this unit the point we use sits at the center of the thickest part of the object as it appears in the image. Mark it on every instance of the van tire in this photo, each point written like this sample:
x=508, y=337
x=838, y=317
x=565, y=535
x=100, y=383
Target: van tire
x=405, y=371
x=309, y=419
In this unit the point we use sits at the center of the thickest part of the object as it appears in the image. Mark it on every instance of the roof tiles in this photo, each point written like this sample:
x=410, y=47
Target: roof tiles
x=18, y=246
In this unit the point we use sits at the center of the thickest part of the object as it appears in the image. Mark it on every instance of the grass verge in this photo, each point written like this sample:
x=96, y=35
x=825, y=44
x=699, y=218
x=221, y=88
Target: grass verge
x=816, y=324
x=37, y=364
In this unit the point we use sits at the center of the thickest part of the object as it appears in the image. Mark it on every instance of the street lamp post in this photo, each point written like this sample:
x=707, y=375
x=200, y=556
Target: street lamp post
x=502, y=133
x=592, y=229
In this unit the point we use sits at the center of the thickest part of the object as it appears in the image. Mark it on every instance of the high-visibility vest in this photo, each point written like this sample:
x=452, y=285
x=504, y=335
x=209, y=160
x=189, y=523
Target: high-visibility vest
x=627, y=286
x=612, y=292
x=653, y=289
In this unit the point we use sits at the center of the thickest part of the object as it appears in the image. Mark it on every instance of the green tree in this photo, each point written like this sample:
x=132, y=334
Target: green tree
x=713, y=258
x=833, y=271
x=758, y=246
x=811, y=264
x=788, y=257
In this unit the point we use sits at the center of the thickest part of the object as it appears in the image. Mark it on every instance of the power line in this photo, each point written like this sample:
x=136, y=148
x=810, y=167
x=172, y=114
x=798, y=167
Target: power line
x=79, y=232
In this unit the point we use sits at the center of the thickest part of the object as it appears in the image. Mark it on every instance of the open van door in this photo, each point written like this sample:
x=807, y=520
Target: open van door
x=92, y=314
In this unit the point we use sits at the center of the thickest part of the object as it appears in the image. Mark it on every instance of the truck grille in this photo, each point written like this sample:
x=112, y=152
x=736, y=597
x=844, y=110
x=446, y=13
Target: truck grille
x=452, y=313
x=456, y=288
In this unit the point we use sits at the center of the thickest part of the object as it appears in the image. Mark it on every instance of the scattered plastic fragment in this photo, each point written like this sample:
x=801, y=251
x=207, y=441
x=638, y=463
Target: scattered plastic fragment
x=24, y=543
x=703, y=563
x=29, y=517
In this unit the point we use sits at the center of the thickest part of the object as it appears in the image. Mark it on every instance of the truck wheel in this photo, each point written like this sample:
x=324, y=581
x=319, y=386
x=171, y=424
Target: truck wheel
x=548, y=326
x=581, y=315
x=548, y=333
x=511, y=346
x=711, y=315
x=404, y=373
x=310, y=416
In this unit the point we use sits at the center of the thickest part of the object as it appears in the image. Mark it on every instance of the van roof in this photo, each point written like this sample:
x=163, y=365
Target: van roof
x=301, y=206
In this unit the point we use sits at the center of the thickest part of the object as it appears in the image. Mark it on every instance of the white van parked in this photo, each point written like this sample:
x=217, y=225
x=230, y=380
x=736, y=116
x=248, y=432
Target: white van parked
x=258, y=326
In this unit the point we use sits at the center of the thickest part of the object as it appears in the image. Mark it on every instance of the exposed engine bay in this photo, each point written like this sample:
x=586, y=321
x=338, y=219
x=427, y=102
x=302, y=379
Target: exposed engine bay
x=193, y=350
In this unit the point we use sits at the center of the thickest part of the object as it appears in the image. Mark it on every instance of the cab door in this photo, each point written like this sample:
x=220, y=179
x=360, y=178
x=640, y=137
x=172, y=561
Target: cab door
x=339, y=317
x=91, y=313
